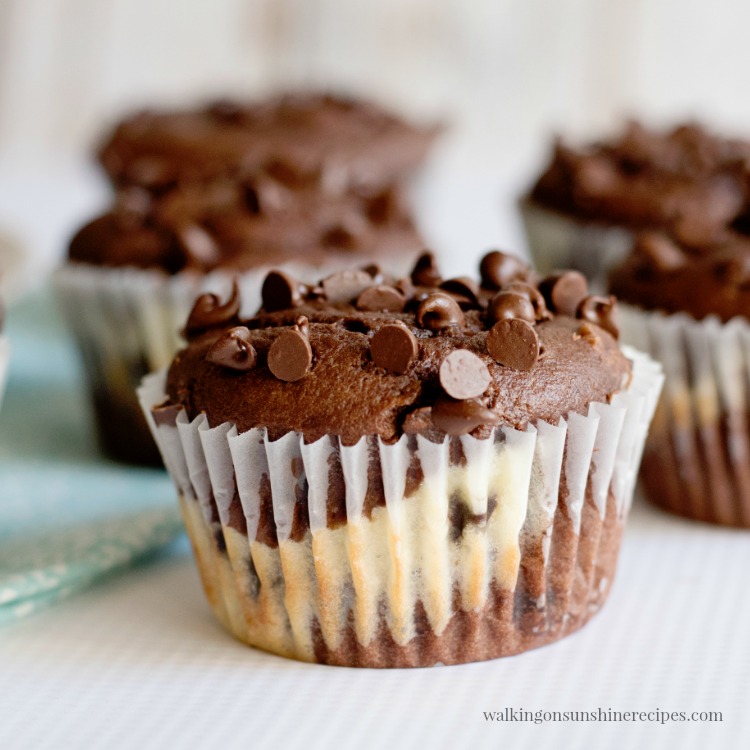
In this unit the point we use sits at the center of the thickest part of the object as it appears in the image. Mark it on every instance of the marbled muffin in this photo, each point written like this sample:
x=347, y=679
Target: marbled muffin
x=589, y=201
x=689, y=306
x=339, y=143
x=311, y=183
x=380, y=472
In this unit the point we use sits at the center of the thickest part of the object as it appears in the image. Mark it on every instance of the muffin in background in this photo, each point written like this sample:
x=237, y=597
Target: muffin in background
x=584, y=209
x=688, y=306
x=387, y=473
x=342, y=143
x=313, y=184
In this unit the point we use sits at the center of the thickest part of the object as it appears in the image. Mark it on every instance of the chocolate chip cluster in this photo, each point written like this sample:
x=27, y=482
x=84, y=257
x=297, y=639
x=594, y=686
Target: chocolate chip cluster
x=509, y=303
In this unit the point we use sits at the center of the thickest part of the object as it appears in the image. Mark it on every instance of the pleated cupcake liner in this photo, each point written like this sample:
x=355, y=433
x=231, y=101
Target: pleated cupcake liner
x=127, y=322
x=409, y=554
x=559, y=242
x=697, y=458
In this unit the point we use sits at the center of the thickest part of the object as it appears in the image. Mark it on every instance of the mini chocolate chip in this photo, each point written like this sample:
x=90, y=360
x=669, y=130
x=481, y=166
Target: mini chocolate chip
x=425, y=271
x=464, y=287
x=302, y=324
x=166, y=414
x=658, y=252
x=381, y=299
x=198, y=244
x=346, y=286
x=463, y=375
x=375, y=271
x=513, y=343
x=564, y=291
x=394, y=347
x=601, y=311
x=506, y=305
x=382, y=207
x=406, y=287
x=226, y=111
x=497, y=269
x=344, y=235
x=461, y=417
x=696, y=231
x=533, y=295
x=290, y=355
x=438, y=311
x=208, y=312
x=281, y=292
x=589, y=334
x=234, y=350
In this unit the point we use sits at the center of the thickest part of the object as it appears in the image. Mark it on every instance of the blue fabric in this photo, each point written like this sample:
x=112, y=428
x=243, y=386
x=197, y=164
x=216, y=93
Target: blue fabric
x=67, y=515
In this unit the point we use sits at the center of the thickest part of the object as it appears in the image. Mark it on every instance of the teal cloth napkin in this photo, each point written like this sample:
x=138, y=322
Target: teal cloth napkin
x=68, y=516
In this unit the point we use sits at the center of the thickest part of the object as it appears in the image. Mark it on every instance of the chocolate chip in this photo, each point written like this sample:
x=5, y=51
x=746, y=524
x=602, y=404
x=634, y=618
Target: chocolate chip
x=394, y=347
x=381, y=299
x=463, y=286
x=497, y=269
x=226, y=111
x=406, y=287
x=461, y=417
x=533, y=295
x=589, y=334
x=513, y=343
x=375, y=271
x=234, y=350
x=290, y=355
x=564, y=291
x=463, y=375
x=198, y=244
x=732, y=268
x=302, y=324
x=281, y=292
x=507, y=305
x=166, y=414
x=439, y=311
x=345, y=234
x=658, y=252
x=208, y=312
x=346, y=286
x=425, y=272
x=601, y=311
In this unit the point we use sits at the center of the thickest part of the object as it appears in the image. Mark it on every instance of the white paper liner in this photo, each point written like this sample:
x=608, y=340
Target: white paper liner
x=698, y=454
x=558, y=242
x=307, y=596
x=127, y=321
x=4, y=360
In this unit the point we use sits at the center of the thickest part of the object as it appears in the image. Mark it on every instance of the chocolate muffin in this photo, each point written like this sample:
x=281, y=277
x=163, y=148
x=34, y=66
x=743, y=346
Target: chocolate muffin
x=310, y=183
x=387, y=473
x=688, y=305
x=338, y=142
x=242, y=227
x=583, y=210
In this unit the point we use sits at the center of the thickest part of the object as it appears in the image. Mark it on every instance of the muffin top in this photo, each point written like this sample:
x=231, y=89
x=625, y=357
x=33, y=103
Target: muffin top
x=663, y=273
x=266, y=221
x=646, y=178
x=363, y=354
x=337, y=141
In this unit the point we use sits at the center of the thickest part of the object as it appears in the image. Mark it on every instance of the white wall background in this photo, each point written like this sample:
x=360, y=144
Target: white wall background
x=505, y=73
x=504, y=70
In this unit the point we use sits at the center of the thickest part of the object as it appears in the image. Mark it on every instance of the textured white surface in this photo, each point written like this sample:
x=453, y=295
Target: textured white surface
x=140, y=662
